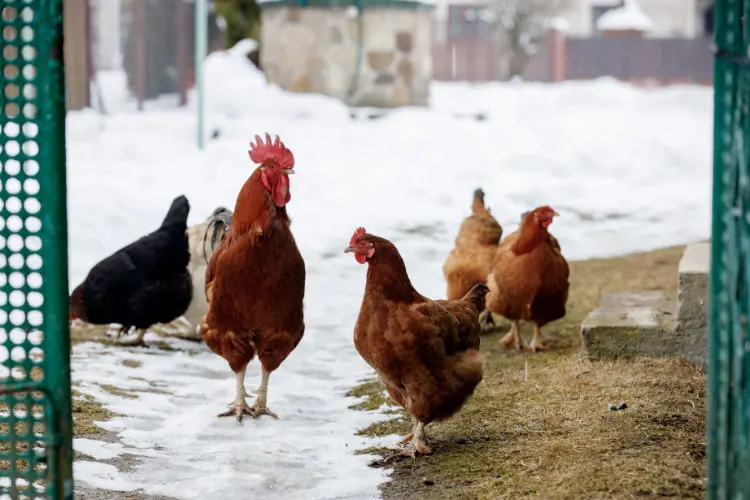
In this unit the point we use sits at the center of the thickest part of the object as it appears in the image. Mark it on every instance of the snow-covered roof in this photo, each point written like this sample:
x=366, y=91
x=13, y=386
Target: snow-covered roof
x=628, y=17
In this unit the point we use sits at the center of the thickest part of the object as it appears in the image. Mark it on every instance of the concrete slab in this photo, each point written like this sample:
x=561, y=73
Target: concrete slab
x=629, y=325
x=692, y=299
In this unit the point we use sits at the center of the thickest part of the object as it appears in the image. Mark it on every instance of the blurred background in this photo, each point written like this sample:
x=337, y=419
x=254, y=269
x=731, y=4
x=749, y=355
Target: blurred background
x=384, y=53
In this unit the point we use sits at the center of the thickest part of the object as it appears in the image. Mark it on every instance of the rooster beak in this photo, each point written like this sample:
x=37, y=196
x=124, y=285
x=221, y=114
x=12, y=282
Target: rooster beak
x=555, y=214
x=287, y=171
x=349, y=250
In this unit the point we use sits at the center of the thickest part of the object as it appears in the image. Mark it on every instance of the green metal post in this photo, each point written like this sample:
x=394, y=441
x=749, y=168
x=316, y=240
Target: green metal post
x=35, y=401
x=728, y=423
x=201, y=49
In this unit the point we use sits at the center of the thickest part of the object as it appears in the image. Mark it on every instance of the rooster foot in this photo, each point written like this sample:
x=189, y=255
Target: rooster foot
x=136, y=342
x=257, y=411
x=239, y=409
x=536, y=348
x=407, y=438
x=412, y=450
x=512, y=341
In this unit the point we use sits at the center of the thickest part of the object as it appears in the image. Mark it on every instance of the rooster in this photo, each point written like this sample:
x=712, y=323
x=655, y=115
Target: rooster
x=144, y=283
x=255, y=281
x=426, y=352
x=470, y=261
x=529, y=280
x=203, y=239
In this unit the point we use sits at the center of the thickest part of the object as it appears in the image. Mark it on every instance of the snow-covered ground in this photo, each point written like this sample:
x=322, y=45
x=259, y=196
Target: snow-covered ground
x=627, y=168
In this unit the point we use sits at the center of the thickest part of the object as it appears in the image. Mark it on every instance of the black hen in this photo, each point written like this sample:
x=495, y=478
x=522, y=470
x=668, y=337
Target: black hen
x=144, y=283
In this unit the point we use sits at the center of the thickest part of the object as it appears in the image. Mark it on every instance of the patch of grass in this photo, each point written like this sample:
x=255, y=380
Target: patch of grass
x=132, y=363
x=553, y=436
x=373, y=393
x=86, y=411
x=118, y=392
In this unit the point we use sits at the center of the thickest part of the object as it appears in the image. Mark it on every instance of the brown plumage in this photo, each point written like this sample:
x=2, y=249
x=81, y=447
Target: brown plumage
x=529, y=280
x=426, y=352
x=471, y=259
x=255, y=281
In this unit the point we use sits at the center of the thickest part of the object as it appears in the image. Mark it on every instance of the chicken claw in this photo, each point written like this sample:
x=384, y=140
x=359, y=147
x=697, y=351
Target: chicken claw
x=259, y=407
x=537, y=343
x=416, y=445
x=240, y=409
x=136, y=342
x=512, y=339
x=257, y=412
x=536, y=348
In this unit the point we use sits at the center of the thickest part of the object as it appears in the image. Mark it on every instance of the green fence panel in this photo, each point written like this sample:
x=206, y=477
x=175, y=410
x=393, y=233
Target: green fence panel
x=729, y=344
x=35, y=405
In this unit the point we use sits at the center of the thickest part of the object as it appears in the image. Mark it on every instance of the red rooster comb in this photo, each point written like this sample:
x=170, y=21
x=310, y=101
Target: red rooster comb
x=357, y=235
x=272, y=152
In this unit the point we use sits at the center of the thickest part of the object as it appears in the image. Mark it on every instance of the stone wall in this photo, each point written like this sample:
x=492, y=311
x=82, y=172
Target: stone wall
x=314, y=49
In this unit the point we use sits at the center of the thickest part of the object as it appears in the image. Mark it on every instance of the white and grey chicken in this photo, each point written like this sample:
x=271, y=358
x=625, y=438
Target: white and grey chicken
x=203, y=239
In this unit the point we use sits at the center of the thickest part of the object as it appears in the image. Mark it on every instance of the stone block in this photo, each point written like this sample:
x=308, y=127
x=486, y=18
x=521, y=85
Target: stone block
x=336, y=36
x=627, y=325
x=406, y=71
x=384, y=79
x=301, y=84
x=404, y=42
x=379, y=61
x=692, y=300
x=692, y=286
x=401, y=94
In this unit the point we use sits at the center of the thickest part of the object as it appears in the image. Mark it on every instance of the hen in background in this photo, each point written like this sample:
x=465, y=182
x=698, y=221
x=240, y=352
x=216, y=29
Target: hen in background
x=470, y=261
x=144, y=283
x=529, y=280
x=203, y=240
x=426, y=352
x=255, y=281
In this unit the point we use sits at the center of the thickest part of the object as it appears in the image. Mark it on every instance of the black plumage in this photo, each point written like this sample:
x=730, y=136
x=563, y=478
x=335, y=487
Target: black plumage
x=144, y=283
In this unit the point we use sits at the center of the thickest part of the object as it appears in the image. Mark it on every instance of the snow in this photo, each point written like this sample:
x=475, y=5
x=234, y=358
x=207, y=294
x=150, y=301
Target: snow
x=611, y=158
x=628, y=17
x=558, y=24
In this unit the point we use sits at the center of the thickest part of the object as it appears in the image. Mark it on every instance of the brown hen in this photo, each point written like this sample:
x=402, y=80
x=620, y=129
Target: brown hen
x=529, y=279
x=471, y=259
x=255, y=281
x=426, y=352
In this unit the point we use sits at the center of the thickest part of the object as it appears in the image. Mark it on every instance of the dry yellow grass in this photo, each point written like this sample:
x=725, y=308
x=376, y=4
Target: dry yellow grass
x=552, y=436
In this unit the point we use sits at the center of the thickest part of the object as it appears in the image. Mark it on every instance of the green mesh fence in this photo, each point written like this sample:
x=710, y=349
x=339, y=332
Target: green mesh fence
x=729, y=344
x=35, y=408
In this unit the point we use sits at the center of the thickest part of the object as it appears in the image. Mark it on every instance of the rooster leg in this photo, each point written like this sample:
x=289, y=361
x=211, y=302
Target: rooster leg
x=232, y=402
x=409, y=436
x=537, y=343
x=239, y=406
x=137, y=341
x=512, y=339
x=416, y=445
x=259, y=407
x=486, y=319
x=123, y=329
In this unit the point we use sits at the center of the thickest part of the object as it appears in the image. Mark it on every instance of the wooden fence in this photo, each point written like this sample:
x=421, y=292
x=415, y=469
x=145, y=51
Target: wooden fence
x=636, y=59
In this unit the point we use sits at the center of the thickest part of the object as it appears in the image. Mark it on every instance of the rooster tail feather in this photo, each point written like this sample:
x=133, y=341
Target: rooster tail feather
x=218, y=225
x=178, y=212
x=479, y=195
x=476, y=296
x=477, y=204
